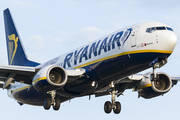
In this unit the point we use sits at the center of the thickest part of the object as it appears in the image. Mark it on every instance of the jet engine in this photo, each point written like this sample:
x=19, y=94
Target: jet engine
x=150, y=87
x=50, y=78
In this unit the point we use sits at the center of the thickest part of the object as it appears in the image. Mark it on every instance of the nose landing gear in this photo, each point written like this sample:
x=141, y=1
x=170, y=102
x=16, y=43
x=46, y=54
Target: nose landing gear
x=157, y=63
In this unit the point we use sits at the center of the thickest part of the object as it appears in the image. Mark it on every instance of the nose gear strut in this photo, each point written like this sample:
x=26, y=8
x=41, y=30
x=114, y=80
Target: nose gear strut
x=157, y=63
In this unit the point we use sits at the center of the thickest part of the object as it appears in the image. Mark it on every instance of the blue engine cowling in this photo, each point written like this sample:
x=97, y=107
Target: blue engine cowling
x=149, y=88
x=50, y=78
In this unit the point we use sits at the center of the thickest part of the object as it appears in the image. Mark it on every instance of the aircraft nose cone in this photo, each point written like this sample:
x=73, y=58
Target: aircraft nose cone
x=169, y=41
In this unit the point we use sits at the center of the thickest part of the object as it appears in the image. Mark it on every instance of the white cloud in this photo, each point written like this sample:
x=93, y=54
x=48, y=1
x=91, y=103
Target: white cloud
x=59, y=37
x=37, y=41
x=83, y=36
x=70, y=40
x=90, y=33
x=23, y=4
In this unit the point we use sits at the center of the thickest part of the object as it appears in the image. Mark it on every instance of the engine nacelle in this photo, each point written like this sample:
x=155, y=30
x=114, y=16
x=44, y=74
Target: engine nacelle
x=150, y=88
x=50, y=78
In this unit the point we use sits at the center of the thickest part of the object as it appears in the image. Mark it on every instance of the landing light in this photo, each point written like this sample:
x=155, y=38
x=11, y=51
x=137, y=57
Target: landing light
x=78, y=70
x=112, y=84
x=93, y=84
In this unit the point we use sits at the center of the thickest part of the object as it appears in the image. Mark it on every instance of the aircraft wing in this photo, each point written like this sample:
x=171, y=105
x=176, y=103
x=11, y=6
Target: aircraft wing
x=122, y=84
x=135, y=79
x=129, y=83
x=18, y=73
x=175, y=79
x=10, y=74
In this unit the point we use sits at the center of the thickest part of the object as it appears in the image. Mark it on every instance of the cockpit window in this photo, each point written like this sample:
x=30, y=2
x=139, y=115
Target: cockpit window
x=168, y=28
x=152, y=29
x=160, y=28
x=148, y=30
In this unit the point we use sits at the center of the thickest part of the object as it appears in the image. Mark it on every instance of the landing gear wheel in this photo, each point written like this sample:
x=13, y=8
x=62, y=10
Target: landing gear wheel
x=117, y=109
x=47, y=103
x=57, y=104
x=107, y=107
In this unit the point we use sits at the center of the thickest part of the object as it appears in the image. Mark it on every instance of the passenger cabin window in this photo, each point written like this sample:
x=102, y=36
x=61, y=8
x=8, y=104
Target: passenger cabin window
x=152, y=29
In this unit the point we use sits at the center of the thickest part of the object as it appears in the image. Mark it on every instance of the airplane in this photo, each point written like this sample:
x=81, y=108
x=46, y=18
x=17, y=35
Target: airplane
x=106, y=66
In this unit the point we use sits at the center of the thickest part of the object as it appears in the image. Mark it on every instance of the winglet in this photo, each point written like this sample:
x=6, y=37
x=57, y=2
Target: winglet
x=15, y=50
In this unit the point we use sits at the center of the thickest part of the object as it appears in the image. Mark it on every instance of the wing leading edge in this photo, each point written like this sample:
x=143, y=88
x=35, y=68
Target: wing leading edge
x=131, y=82
x=10, y=74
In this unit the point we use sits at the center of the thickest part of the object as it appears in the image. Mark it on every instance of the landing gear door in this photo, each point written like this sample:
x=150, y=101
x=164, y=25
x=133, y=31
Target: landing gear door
x=134, y=36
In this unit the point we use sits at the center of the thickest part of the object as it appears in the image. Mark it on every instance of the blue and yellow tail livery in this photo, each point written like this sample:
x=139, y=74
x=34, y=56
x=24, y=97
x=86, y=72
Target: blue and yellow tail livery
x=15, y=50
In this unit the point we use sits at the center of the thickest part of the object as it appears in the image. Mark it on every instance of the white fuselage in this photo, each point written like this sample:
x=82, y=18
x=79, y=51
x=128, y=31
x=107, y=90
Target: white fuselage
x=128, y=41
x=131, y=40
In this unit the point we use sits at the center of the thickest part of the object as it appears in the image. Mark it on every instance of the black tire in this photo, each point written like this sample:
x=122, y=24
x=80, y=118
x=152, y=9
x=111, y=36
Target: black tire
x=107, y=107
x=47, y=103
x=118, y=108
x=57, y=105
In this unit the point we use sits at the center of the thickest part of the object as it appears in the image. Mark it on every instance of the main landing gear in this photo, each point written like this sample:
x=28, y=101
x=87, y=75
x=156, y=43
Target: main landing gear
x=53, y=100
x=113, y=105
x=116, y=106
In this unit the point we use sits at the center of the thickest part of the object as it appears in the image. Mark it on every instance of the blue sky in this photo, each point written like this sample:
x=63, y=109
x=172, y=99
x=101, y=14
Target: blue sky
x=51, y=28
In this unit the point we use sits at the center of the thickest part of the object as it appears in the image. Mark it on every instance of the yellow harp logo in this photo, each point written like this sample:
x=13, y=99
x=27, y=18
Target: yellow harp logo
x=12, y=46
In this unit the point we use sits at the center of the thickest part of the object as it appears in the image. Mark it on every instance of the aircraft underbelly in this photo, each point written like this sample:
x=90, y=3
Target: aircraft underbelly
x=105, y=72
x=113, y=69
x=33, y=97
